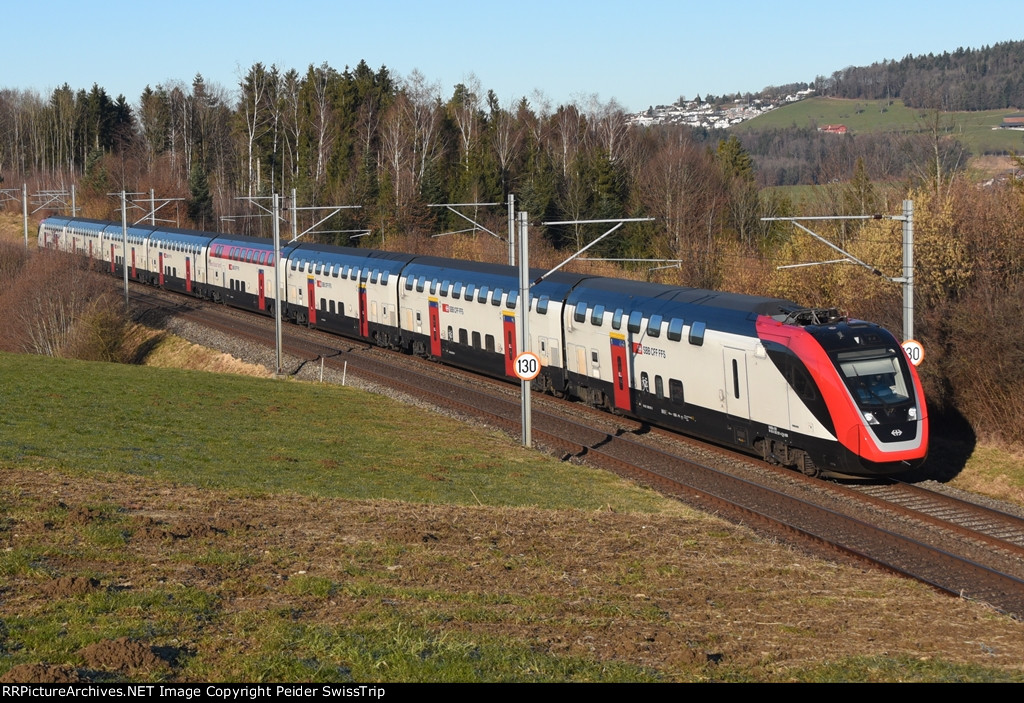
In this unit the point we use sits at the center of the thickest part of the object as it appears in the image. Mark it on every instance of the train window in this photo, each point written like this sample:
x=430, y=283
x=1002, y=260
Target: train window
x=489, y=342
x=496, y=296
x=433, y=286
x=270, y=260
x=675, y=389
x=332, y=307
x=697, y=333
x=735, y=378
x=341, y=308
x=470, y=292
x=384, y=279
x=248, y=255
x=597, y=317
x=294, y=264
x=408, y=283
x=635, y=318
x=375, y=276
x=542, y=305
x=617, y=319
x=659, y=387
x=345, y=271
x=581, y=312
x=463, y=337
x=420, y=282
x=450, y=337
x=675, y=329
x=593, y=356
x=513, y=298
x=645, y=382
x=457, y=290
x=654, y=326
x=481, y=296
x=476, y=340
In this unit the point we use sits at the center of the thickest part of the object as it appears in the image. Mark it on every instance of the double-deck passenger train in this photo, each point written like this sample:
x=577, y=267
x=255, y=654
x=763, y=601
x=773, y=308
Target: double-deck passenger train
x=802, y=387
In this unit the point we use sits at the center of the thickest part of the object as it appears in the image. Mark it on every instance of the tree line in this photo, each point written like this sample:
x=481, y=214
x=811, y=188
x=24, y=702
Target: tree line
x=989, y=78
x=394, y=146
x=397, y=145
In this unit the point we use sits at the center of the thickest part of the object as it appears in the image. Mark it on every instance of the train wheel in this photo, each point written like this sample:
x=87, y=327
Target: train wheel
x=807, y=466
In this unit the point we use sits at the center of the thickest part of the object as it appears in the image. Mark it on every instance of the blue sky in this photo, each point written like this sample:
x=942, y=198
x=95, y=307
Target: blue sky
x=639, y=53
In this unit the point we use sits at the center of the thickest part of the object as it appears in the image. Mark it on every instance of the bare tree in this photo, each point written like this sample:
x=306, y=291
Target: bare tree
x=254, y=106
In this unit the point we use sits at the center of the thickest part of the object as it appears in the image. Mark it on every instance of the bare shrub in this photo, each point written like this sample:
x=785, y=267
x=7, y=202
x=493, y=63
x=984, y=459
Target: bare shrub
x=985, y=362
x=12, y=260
x=57, y=306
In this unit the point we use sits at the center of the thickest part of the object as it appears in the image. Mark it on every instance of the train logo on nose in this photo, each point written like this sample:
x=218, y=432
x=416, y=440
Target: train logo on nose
x=897, y=433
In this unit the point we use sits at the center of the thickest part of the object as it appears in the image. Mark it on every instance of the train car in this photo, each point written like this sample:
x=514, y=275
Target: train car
x=805, y=388
x=103, y=241
x=176, y=259
x=465, y=313
x=347, y=291
x=761, y=374
x=239, y=272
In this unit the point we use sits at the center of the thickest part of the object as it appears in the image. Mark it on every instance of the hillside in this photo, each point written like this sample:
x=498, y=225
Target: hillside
x=164, y=525
x=978, y=131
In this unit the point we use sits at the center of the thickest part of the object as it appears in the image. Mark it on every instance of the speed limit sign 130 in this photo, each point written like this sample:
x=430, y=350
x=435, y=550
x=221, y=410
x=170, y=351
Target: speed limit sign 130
x=527, y=366
x=914, y=350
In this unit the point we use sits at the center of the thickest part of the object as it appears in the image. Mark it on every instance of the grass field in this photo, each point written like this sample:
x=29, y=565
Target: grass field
x=255, y=435
x=167, y=525
x=976, y=130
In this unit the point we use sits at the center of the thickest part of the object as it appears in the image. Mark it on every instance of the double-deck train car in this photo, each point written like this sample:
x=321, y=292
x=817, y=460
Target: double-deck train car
x=806, y=388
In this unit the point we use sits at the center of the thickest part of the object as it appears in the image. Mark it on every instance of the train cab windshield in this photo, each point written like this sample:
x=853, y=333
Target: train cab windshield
x=875, y=378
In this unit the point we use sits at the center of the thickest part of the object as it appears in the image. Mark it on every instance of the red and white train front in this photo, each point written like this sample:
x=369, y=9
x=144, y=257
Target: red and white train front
x=872, y=394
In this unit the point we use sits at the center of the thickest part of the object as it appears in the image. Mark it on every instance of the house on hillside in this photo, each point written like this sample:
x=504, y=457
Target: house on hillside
x=1014, y=121
x=833, y=129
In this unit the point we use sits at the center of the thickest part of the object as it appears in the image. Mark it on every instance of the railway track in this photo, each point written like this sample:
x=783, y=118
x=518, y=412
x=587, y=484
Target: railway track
x=961, y=548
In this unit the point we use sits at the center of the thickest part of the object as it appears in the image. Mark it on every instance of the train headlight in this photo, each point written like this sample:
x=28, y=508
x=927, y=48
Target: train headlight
x=870, y=417
x=911, y=414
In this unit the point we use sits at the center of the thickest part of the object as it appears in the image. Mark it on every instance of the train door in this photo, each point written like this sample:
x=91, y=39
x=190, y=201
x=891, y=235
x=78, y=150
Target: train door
x=620, y=372
x=188, y=276
x=736, y=401
x=509, y=331
x=435, y=328
x=135, y=273
x=364, y=324
x=160, y=268
x=113, y=259
x=260, y=287
x=311, y=303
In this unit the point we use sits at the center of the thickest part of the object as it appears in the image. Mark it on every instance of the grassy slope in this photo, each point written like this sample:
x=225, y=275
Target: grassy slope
x=973, y=129
x=215, y=599
x=255, y=435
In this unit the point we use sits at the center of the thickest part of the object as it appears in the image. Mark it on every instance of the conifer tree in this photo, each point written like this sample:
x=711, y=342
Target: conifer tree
x=200, y=202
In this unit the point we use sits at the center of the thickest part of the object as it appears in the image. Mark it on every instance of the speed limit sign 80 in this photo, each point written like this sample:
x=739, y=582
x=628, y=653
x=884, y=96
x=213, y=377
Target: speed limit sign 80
x=527, y=366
